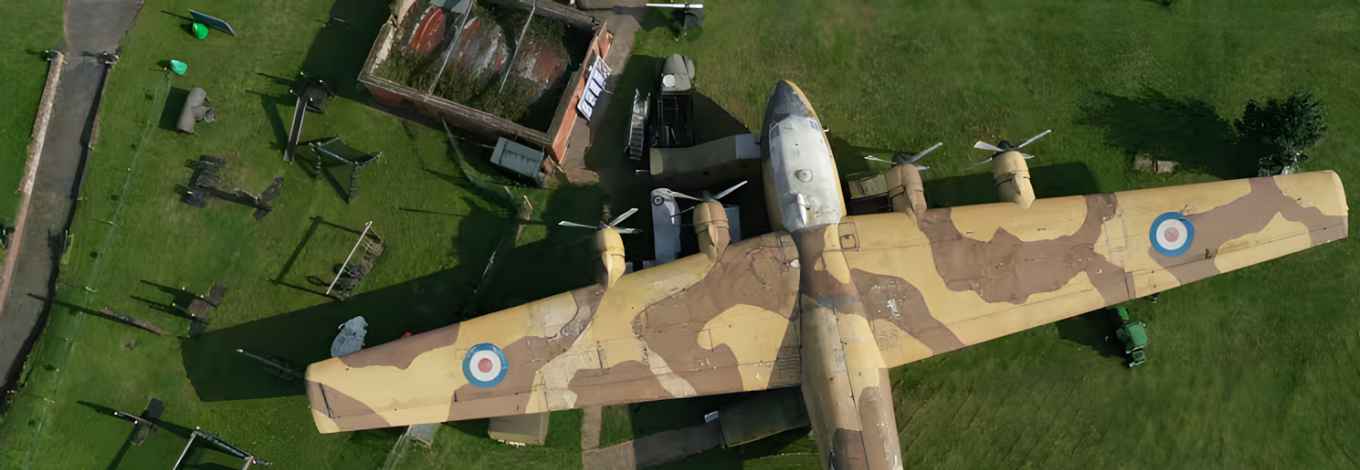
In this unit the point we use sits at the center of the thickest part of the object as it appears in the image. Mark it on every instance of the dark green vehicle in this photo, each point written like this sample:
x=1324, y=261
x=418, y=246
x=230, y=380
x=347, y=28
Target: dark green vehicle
x=1133, y=334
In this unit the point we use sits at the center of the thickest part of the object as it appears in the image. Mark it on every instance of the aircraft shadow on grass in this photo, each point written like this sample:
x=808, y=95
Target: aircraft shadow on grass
x=1184, y=130
x=791, y=442
x=557, y=263
x=1094, y=330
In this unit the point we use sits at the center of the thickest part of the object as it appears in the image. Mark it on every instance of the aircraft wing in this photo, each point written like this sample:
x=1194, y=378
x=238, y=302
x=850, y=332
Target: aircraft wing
x=964, y=275
x=694, y=326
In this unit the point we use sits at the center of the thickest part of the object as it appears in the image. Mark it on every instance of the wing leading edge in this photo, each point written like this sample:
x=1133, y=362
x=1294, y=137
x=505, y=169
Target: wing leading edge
x=964, y=275
x=695, y=326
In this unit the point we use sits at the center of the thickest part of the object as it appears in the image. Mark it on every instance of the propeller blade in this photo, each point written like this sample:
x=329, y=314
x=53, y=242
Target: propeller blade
x=919, y=156
x=980, y=145
x=626, y=230
x=979, y=162
x=565, y=223
x=729, y=190
x=622, y=217
x=922, y=168
x=1036, y=137
x=876, y=159
x=679, y=195
x=1027, y=156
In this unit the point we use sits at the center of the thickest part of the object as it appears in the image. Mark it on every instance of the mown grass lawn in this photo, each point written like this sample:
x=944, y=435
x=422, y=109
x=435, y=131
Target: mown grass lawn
x=136, y=244
x=30, y=27
x=1252, y=369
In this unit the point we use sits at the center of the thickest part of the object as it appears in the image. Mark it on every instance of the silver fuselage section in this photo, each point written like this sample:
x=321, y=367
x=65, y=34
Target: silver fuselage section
x=802, y=187
x=844, y=385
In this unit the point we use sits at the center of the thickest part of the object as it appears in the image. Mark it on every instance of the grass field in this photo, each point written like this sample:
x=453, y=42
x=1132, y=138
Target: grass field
x=136, y=244
x=1248, y=370
x=23, y=71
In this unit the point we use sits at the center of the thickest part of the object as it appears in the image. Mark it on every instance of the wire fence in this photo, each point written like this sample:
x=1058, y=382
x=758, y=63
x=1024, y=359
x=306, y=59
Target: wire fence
x=88, y=292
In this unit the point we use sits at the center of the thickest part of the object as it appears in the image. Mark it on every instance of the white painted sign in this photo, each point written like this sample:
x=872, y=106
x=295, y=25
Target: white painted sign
x=595, y=80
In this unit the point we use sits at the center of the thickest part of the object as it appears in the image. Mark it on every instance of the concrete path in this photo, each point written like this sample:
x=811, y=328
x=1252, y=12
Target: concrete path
x=91, y=26
x=624, y=27
x=591, y=421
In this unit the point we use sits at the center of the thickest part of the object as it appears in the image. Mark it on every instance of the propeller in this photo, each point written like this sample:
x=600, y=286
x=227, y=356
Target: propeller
x=708, y=197
x=603, y=225
x=1005, y=146
x=902, y=158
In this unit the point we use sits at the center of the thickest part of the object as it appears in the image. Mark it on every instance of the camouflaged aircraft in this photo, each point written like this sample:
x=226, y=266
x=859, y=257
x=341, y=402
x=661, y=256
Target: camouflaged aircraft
x=828, y=302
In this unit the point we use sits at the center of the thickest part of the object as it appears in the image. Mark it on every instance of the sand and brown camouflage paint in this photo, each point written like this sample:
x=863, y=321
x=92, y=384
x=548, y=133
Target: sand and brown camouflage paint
x=845, y=383
x=681, y=329
x=830, y=304
x=965, y=275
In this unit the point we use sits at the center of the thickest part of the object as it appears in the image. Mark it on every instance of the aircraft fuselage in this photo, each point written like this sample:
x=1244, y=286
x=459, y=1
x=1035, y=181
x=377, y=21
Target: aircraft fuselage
x=845, y=382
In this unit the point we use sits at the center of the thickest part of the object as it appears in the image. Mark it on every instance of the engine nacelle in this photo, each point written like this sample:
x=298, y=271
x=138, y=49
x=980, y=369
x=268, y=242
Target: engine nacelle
x=612, y=264
x=711, y=228
x=1011, y=175
x=905, y=189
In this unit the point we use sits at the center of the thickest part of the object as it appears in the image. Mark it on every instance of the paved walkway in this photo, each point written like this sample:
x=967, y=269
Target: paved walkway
x=591, y=421
x=91, y=26
x=624, y=27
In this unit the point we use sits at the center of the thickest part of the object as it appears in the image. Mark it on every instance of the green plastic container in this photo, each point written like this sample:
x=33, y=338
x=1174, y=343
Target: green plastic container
x=178, y=67
x=200, y=30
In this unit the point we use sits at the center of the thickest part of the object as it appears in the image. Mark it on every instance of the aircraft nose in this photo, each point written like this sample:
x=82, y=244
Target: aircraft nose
x=787, y=100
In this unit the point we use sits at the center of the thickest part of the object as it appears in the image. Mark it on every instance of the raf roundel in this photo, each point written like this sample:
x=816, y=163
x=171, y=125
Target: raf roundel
x=1171, y=234
x=484, y=365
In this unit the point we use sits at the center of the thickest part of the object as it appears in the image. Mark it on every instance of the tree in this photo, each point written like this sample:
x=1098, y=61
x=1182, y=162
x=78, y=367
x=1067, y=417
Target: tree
x=1281, y=130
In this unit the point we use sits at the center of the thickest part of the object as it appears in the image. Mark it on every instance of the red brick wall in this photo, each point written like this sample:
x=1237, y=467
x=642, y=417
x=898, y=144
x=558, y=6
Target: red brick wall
x=566, y=119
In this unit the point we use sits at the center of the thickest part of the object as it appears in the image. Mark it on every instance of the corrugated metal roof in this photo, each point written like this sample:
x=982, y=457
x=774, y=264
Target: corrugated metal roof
x=519, y=159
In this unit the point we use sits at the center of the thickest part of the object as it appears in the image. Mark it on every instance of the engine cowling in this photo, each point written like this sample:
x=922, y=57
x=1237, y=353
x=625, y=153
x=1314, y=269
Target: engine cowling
x=612, y=264
x=906, y=190
x=1011, y=175
x=711, y=228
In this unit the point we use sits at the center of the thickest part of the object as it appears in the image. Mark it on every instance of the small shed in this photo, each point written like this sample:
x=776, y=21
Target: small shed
x=518, y=158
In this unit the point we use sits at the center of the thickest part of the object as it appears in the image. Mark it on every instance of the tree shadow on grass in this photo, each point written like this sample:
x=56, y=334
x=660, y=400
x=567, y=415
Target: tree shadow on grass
x=1184, y=130
x=338, y=51
x=647, y=18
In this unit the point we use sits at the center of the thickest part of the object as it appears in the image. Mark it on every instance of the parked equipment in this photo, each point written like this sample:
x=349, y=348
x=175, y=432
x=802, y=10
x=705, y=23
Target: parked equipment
x=196, y=109
x=675, y=104
x=312, y=96
x=1133, y=334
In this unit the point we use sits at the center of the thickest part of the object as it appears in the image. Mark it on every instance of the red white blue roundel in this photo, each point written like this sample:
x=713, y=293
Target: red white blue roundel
x=1172, y=234
x=484, y=365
